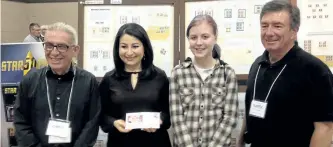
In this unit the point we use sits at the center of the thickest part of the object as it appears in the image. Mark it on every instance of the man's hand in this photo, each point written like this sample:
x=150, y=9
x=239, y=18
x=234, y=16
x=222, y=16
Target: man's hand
x=120, y=125
x=322, y=135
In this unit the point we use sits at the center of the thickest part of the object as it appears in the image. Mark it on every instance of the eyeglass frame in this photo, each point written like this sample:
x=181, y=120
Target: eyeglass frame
x=56, y=46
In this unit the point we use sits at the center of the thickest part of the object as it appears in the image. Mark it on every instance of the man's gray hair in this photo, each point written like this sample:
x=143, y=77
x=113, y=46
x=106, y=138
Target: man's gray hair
x=60, y=26
x=283, y=5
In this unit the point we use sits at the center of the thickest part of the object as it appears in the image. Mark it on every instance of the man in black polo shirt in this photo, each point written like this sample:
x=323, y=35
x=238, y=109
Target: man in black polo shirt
x=289, y=98
x=59, y=105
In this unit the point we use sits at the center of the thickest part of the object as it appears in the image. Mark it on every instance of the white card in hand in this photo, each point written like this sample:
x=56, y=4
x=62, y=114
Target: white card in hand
x=56, y=139
x=57, y=128
x=143, y=120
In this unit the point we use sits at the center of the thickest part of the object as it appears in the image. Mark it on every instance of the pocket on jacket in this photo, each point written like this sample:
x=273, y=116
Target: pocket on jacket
x=186, y=96
x=218, y=96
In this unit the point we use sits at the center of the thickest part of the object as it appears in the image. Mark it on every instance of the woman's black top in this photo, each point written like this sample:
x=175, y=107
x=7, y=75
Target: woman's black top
x=151, y=94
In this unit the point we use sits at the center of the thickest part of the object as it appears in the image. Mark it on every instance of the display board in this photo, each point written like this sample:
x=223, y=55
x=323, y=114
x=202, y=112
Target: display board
x=9, y=96
x=316, y=31
x=238, y=29
x=102, y=22
x=19, y=59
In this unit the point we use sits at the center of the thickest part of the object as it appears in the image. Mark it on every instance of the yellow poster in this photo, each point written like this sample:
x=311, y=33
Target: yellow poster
x=327, y=59
x=158, y=33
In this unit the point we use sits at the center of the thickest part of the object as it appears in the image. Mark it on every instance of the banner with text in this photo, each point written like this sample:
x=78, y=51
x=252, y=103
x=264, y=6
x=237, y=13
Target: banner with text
x=19, y=59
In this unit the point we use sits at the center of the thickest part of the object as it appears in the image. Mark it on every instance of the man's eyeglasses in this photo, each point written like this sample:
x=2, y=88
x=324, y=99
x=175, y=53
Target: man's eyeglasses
x=60, y=47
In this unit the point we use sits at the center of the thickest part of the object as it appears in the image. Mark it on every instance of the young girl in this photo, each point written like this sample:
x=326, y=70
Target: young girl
x=203, y=92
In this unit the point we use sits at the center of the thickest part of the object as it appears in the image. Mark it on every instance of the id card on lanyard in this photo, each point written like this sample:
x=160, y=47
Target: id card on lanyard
x=258, y=108
x=58, y=130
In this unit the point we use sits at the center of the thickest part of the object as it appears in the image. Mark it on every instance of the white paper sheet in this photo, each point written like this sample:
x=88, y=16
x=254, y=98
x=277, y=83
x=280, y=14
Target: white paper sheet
x=316, y=32
x=98, y=24
x=238, y=29
x=316, y=16
x=103, y=22
x=98, y=58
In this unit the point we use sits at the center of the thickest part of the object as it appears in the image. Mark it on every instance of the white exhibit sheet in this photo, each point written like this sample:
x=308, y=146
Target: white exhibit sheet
x=103, y=22
x=316, y=32
x=238, y=29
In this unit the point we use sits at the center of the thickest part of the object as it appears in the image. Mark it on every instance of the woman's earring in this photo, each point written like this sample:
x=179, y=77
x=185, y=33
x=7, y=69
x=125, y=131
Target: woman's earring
x=144, y=58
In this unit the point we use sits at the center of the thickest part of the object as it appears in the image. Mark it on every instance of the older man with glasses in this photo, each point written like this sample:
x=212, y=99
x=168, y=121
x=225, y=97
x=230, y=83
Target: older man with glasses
x=58, y=105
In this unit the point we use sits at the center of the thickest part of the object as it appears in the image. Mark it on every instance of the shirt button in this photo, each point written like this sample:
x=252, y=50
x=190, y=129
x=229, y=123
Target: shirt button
x=200, y=117
x=57, y=114
x=58, y=98
x=199, y=140
x=201, y=106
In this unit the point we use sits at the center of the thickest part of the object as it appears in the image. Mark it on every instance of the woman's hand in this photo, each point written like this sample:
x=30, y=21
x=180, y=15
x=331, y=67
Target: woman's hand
x=151, y=130
x=120, y=125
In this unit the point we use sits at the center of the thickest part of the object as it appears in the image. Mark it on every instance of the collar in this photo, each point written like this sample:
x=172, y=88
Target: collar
x=68, y=74
x=35, y=37
x=264, y=59
x=189, y=63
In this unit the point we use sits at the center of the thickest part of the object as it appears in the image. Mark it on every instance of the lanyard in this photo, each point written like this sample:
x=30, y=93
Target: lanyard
x=255, y=82
x=69, y=100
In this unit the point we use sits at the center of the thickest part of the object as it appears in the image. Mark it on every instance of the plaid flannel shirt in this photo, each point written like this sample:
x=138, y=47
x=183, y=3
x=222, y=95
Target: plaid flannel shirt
x=203, y=112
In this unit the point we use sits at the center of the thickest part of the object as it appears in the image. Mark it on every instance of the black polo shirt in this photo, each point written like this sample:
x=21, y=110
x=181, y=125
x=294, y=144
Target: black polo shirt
x=300, y=96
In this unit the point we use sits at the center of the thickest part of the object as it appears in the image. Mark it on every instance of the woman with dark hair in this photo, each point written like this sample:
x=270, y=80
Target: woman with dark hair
x=203, y=91
x=135, y=85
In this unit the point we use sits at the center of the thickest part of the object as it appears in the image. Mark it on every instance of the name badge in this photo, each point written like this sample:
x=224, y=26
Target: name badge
x=58, y=128
x=56, y=139
x=258, y=109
